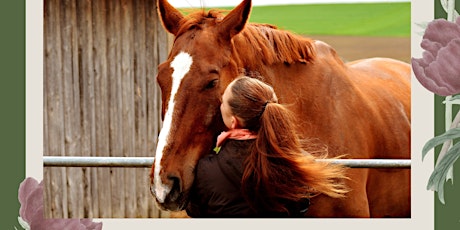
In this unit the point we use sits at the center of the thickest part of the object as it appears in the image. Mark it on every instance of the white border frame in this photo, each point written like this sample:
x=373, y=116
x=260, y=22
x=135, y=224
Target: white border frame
x=422, y=130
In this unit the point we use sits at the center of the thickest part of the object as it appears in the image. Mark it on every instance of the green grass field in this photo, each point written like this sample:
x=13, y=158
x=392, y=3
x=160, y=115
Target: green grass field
x=373, y=19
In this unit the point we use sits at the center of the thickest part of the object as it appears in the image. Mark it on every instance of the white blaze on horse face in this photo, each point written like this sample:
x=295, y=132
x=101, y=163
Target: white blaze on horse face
x=180, y=65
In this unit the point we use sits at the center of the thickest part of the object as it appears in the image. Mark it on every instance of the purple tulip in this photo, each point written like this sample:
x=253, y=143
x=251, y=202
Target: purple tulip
x=439, y=69
x=31, y=198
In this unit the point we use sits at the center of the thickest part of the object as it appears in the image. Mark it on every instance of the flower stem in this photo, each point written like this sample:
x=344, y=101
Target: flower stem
x=448, y=143
x=449, y=125
x=448, y=115
x=451, y=10
x=449, y=6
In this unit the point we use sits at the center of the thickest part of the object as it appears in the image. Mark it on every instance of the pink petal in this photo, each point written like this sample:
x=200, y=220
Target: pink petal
x=32, y=203
x=38, y=222
x=431, y=46
x=439, y=69
x=90, y=225
x=418, y=66
x=442, y=75
x=31, y=199
x=441, y=31
x=446, y=69
x=25, y=188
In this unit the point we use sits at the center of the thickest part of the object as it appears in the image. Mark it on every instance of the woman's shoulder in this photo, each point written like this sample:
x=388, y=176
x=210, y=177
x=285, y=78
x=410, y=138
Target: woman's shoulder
x=228, y=150
x=217, y=184
x=239, y=143
x=207, y=163
x=226, y=163
x=232, y=148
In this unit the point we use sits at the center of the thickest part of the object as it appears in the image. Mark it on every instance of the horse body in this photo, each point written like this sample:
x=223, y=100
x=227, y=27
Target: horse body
x=359, y=109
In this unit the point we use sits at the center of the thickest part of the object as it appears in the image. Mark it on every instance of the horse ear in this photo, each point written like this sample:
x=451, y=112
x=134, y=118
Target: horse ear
x=235, y=21
x=170, y=16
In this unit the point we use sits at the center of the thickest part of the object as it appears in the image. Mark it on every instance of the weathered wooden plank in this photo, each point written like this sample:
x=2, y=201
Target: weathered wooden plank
x=140, y=67
x=101, y=105
x=47, y=200
x=115, y=105
x=55, y=112
x=127, y=76
x=152, y=114
x=101, y=60
x=88, y=128
x=47, y=191
x=71, y=104
x=151, y=55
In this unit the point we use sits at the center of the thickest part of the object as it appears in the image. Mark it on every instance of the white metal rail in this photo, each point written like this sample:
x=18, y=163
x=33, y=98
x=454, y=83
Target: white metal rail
x=146, y=162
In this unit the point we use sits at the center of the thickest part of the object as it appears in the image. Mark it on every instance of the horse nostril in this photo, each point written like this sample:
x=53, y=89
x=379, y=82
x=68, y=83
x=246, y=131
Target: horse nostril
x=176, y=185
x=175, y=181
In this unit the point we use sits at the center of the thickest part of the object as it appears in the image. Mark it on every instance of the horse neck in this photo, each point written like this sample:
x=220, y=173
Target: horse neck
x=302, y=67
x=262, y=49
x=310, y=89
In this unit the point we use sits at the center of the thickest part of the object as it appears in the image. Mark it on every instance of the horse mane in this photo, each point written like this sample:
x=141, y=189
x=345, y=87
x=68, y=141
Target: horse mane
x=271, y=45
x=258, y=43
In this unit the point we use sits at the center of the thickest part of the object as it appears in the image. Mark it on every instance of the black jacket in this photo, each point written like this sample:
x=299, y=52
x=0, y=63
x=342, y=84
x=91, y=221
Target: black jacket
x=217, y=188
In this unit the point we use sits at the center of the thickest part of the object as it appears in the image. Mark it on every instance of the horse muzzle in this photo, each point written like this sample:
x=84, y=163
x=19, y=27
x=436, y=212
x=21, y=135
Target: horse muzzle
x=168, y=196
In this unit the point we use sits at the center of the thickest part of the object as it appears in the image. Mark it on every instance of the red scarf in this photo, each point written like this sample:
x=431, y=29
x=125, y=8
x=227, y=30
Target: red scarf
x=235, y=134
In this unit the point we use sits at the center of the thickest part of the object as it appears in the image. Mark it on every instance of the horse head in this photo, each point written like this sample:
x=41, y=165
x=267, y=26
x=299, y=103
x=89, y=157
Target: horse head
x=192, y=80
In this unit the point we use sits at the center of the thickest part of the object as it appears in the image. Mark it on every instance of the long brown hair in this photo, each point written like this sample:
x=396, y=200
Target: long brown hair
x=278, y=169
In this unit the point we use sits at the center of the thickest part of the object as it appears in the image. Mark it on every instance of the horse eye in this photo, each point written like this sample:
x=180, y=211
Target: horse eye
x=211, y=84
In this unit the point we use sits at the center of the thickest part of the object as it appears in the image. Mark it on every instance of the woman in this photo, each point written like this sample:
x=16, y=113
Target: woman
x=259, y=168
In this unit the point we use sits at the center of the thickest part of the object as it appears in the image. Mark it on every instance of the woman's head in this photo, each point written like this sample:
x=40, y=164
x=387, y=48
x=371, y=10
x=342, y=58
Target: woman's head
x=244, y=101
x=277, y=169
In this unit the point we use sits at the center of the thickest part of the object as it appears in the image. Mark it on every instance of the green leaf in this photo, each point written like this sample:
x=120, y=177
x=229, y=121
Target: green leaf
x=217, y=149
x=445, y=6
x=455, y=100
x=456, y=97
x=438, y=177
x=449, y=135
x=23, y=223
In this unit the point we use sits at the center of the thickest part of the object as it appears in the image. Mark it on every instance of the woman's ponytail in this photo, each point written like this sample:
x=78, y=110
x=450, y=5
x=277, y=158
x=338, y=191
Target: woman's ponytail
x=277, y=169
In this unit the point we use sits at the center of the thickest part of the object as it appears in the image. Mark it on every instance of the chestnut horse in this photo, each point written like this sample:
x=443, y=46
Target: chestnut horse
x=359, y=109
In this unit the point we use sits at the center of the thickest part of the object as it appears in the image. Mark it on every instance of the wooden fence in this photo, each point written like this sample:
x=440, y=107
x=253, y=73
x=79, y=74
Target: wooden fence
x=101, y=99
